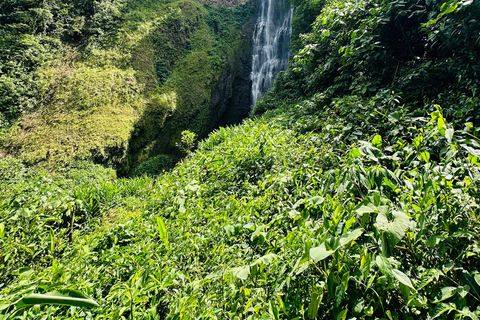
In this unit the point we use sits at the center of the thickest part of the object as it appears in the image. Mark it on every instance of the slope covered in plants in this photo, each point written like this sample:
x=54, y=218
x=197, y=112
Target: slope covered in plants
x=114, y=81
x=344, y=198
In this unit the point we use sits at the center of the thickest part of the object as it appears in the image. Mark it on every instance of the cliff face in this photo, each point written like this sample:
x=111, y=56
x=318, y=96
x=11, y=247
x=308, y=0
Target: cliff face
x=209, y=84
x=231, y=98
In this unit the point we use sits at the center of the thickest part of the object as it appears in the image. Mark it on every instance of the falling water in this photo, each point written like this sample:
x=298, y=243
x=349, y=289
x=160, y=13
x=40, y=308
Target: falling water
x=271, y=42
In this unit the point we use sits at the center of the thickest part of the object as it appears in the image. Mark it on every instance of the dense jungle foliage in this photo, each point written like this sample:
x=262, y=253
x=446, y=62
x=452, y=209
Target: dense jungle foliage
x=352, y=192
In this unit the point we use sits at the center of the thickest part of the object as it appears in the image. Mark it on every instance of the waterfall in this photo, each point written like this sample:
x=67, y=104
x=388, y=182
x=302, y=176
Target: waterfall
x=271, y=43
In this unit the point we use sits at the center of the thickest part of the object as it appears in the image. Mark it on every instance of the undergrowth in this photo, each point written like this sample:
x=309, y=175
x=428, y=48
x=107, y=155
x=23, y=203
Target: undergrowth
x=342, y=199
x=304, y=213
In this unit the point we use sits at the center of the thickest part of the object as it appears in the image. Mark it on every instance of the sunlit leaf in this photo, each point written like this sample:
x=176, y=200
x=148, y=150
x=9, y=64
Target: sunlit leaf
x=241, y=272
x=395, y=225
x=315, y=200
x=162, y=230
x=350, y=236
x=442, y=308
x=466, y=312
x=449, y=134
x=42, y=299
x=342, y=315
x=377, y=141
x=445, y=293
x=266, y=259
x=384, y=265
x=403, y=278
x=434, y=240
x=320, y=253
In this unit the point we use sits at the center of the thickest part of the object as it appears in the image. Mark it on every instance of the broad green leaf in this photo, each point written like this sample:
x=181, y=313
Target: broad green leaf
x=394, y=226
x=445, y=293
x=394, y=117
x=389, y=314
x=181, y=203
x=34, y=299
x=366, y=209
x=384, y=265
x=434, y=240
x=303, y=262
x=369, y=311
x=472, y=151
x=365, y=263
x=370, y=281
x=466, y=312
x=403, y=278
x=2, y=230
x=339, y=295
x=51, y=241
x=241, y=272
x=477, y=278
x=447, y=266
x=358, y=306
x=162, y=230
x=320, y=253
x=440, y=122
x=315, y=200
x=409, y=184
x=463, y=291
x=273, y=309
x=345, y=279
x=266, y=259
x=229, y=229
x=351, y=236
x=425, y=156
x=355, y=153
x=249, y=225
x=442, y=308
x=377, y=141
x=432, y=274
x=448, y=7
x=24, y=271
x=68, y=293
x=449, y=135
x=316, y=298
x=342, y=315
x=280, y=301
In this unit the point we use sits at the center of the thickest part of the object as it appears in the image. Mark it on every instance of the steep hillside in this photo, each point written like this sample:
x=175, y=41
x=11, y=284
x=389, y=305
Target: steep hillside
x=353, y=193
x=117, y=83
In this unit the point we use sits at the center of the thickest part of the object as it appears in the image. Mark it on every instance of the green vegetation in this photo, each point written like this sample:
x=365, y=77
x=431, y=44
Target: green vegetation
x=90, y=115
x=125, y=68
x=353, y=193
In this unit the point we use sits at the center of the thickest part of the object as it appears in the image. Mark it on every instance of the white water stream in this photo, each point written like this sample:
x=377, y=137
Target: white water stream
x=271, y=43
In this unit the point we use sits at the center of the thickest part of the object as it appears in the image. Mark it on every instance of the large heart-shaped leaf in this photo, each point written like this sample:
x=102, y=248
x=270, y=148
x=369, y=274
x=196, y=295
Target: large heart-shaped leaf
x=394, y=224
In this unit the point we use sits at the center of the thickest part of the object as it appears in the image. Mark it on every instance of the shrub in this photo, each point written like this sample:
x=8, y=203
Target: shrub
x=154, y=166
x=12, y=169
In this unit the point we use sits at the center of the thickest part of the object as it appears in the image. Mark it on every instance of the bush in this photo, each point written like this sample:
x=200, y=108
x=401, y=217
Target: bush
x=12, y=169
x=154, y=166
x=87, y=172
x=161, y=71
